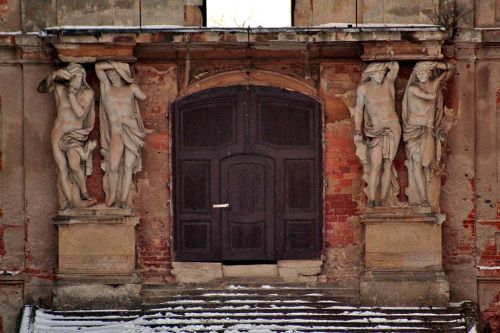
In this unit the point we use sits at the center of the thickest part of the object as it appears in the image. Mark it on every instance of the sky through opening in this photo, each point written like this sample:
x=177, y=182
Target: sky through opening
x=249, y=13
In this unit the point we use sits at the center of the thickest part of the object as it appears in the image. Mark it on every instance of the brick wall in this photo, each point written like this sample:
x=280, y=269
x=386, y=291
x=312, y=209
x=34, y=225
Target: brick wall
x=159, y=82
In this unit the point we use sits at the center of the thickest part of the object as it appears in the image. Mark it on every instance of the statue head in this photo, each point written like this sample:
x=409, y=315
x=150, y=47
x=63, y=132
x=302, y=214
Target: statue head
x=120, y=73
x=423, y=70
x=375, y=71
x=77, y=76
x=115, y=78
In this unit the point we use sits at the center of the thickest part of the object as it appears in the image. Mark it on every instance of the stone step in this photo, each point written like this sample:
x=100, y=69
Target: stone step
x=291, y=323
x=317, y=292
x=152, y=302
x=257, y=308
x=320, y=315
x=336, y=311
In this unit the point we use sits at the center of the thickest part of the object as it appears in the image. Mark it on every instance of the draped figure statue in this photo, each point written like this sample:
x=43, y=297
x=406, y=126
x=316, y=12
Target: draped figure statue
x=425, y=124
x=69, y=137
x=122, y=130
x=378, y=131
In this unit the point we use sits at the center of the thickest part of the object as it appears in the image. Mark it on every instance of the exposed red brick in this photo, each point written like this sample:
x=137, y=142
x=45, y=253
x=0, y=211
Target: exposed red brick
x=41, y=274
x=491, y=316
x=158, y=141
x=342, y=170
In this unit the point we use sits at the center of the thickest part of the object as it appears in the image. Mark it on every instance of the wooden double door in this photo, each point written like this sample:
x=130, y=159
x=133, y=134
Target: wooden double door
x=247, y=171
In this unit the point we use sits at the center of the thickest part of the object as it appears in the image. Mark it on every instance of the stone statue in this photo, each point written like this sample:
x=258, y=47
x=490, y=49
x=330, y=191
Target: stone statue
x=376, y=118
x=122, y=130
x=425, y=126
x=69, y=138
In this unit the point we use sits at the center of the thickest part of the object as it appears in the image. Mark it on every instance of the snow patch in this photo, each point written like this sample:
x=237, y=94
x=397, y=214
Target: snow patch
x=488, y=268
x=10, y=33
x=11, y=273
x=473, y=329
x=113, y=27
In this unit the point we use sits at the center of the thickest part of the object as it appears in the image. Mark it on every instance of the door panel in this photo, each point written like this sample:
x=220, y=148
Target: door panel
x=195, y=186
x=209, y=125
x=257, y=149
x=247, y=224
x=299, y=185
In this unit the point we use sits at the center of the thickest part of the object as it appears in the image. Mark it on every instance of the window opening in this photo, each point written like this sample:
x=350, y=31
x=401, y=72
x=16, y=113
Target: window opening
x=245, y=13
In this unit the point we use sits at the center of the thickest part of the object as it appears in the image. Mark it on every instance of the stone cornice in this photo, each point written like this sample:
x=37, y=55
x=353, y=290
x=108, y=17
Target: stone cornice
x=369, y=42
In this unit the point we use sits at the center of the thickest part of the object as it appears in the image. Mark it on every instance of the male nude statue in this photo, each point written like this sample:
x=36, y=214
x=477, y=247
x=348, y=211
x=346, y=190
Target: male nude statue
x=375, y=112
x=122, y=130
x=422, y=116
x=74, y=121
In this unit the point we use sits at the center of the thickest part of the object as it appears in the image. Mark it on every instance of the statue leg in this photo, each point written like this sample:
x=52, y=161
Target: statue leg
x=374, y=177
x=418, y=175
x=115, y=154
x=62, y=172
x=129, y=159
x=77, y=171
x=386, y=179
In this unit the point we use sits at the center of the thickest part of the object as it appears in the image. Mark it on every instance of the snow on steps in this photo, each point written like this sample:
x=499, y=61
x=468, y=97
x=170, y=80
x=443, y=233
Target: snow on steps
x=248, y=309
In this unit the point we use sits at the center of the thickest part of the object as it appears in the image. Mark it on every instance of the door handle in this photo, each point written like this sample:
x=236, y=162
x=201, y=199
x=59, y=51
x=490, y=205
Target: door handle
x=224, y=205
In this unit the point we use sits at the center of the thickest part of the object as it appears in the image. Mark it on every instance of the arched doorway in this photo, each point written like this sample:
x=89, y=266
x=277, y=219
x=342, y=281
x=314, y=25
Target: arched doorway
x=247, y=175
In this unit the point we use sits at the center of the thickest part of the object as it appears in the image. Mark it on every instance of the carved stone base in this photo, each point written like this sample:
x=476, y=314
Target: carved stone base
x=403, y=258
x=96, y=259
x=96, y=243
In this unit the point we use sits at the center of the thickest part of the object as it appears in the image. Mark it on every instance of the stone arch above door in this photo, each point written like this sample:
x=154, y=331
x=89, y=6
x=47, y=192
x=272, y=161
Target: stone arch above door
x=254, y=77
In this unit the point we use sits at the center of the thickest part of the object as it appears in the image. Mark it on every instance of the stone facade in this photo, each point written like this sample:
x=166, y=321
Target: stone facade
x=323, y=63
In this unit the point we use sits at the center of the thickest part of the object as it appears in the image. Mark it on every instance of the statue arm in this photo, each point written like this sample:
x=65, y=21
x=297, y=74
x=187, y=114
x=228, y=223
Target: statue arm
x=358, y=111
x=50, y=82
x=138, y=93
x=448, y=71
x=80, y=110
x=60, y=75
x=101, y=74
x=393, y=67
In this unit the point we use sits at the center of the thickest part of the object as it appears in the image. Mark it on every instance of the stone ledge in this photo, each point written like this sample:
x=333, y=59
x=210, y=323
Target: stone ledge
x=402, y=215
x=92, y=214
x=92, y=278
x=12, y=279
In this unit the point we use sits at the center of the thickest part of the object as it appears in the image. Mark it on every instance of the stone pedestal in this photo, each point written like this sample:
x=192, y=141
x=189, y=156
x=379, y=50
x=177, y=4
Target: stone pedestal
x=403, y=258
x=96, y=257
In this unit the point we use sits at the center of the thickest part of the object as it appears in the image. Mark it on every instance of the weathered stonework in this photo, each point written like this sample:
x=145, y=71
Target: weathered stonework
x=96, y=296
x=292, y=271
